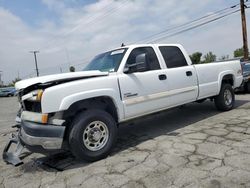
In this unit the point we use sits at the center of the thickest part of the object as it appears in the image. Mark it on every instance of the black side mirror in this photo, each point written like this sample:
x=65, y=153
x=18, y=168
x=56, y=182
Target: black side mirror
x=140, y=64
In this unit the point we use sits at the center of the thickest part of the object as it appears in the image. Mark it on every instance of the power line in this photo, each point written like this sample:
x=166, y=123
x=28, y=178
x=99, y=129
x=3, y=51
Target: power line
x=196, y=26
x=183, y=28
x=198, y=19
x=219, y=12
x=176, y=27
x=89, y=20
x=190, y=22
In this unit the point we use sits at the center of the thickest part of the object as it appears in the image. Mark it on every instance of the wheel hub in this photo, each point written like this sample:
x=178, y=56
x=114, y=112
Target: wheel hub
x=228, y=97
x=95, y=135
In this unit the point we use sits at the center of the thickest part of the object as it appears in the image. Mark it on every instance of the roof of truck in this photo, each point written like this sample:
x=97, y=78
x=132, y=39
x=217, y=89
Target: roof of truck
x=140, y=45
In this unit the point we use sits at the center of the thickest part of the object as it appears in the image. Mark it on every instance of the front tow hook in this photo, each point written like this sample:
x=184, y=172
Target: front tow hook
x=13, y=157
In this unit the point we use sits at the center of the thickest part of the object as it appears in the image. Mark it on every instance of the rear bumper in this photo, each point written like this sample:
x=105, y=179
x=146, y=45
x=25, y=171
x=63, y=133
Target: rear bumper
x=38, y=137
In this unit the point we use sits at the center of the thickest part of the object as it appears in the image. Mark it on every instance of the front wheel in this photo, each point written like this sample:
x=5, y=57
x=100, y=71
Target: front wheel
x=226, y=98
x=92, y=135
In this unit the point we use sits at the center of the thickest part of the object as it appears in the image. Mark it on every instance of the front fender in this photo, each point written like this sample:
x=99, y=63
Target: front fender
x=71, y=99
x=67, y=101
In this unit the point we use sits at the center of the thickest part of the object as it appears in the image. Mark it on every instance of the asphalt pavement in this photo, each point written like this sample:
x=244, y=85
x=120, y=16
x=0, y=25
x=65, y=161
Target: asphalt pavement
x=191, y=146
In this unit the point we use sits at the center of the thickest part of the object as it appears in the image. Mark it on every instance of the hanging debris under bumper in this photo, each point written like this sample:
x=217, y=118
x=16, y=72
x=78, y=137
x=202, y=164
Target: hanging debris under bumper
x=37, y=138
x=13, y=157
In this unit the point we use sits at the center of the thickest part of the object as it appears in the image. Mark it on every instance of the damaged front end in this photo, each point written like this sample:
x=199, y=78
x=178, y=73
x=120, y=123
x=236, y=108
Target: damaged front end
x=13, y=157
x=36, y=132
x=45, y=139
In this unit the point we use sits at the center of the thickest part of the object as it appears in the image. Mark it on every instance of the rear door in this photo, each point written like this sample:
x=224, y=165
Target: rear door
x=181, y=77
x=143, y=92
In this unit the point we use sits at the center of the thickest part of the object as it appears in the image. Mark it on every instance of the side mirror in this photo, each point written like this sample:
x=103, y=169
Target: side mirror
x=140, y=64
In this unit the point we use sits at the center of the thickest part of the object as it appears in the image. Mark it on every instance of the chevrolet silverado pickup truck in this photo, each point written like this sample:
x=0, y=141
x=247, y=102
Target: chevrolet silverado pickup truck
x=80, y=112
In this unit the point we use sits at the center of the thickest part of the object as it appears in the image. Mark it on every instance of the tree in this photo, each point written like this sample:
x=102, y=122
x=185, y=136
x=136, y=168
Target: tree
x=209, y=57
x=196, y=57
x=239, y=52
x=72, y=69
x=224, y=57
x=14, y=81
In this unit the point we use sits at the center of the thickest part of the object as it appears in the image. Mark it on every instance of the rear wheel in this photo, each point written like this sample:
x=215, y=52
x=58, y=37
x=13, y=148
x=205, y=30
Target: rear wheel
x=226, y=98
x=92, y=135
x=247, y=87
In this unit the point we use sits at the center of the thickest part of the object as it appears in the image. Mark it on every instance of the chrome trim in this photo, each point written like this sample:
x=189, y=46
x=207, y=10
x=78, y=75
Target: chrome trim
x=27, y=96
x=45, y=142
x=58, y=122
x=154, y=96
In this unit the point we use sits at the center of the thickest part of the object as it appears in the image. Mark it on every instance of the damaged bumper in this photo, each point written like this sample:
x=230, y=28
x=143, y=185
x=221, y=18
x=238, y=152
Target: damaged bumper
x=35, y=137
x=49, y=137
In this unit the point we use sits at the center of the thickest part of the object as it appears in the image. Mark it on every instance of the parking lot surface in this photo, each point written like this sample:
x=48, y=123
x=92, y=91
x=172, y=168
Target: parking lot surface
x=192, y=146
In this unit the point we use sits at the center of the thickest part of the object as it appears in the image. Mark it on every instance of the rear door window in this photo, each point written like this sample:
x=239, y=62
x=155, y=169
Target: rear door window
x=173, y=56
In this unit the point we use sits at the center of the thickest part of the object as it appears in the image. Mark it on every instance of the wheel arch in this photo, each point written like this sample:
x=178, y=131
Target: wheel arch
x=105, y=103
x=226, y=77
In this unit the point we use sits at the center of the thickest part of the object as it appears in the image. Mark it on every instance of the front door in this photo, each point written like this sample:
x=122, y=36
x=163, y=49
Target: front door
x=143, y=92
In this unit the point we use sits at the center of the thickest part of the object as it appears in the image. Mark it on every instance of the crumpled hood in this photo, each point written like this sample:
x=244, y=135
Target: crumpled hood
x=57, y=77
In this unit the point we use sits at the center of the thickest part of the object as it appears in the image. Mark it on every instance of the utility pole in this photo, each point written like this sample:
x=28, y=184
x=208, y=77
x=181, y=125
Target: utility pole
x=244, y=30
x=67, y=53
x=1, y=83
x=35, y=52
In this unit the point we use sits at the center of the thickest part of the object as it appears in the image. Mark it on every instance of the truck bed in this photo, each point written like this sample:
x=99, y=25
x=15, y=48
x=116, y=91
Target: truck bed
x=208, y=76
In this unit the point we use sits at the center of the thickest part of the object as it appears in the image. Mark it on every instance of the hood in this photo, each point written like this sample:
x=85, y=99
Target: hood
x=57, y=77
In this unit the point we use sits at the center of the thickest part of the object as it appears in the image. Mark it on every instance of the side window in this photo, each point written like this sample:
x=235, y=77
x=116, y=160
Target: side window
x=151, y=58
x=173, y=56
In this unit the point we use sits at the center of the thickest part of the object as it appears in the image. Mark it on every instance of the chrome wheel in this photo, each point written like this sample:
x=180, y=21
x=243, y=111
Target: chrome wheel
x=228, y=97
x=95, y=136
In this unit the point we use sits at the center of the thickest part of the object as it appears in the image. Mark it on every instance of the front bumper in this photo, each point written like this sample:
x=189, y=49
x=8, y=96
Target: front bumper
x=48, y=137
x=37, y=138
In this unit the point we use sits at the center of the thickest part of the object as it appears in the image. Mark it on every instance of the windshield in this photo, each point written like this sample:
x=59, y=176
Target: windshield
x=107, y=62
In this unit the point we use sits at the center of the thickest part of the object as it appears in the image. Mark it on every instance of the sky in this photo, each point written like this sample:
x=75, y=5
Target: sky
x=71, y=32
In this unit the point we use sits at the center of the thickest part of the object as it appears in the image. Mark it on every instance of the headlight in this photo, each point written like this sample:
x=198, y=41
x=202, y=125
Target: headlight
x=35, y=117
x=39, y=95
x=34, y=96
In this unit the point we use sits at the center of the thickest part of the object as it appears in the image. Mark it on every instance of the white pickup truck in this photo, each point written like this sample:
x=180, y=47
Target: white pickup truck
x=81, y=111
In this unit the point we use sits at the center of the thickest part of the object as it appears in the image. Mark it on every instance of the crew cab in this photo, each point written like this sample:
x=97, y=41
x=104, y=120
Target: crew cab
x=81, y=111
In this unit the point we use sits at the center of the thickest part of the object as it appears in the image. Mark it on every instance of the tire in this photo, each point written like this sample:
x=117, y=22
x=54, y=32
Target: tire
x=87, y=128
x=247, y=87
x=226, y=98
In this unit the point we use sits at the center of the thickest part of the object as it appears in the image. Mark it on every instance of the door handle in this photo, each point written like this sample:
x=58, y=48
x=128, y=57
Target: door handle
x=189, y=73
x=162, y=77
